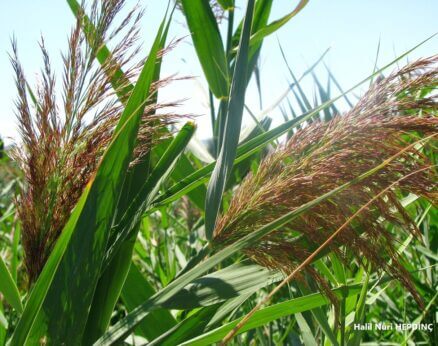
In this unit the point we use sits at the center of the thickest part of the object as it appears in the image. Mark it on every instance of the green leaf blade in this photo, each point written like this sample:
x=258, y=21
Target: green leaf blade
x=67, y=288
x=137, y=290
x=233, y=122
x=8, y=288
x=271, y=313
x=208, y=44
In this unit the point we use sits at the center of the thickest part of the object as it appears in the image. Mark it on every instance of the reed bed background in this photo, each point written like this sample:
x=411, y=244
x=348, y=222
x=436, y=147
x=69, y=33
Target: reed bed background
x=113, y=230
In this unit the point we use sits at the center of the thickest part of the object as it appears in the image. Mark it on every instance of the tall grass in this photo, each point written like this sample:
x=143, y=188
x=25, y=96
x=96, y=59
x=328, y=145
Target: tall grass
x=113, y=232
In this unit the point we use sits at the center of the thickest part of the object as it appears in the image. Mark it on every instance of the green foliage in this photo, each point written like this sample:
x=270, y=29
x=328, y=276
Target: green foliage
x=137, y=262
x=8, y=288
x=231, y=131
x=208, y=43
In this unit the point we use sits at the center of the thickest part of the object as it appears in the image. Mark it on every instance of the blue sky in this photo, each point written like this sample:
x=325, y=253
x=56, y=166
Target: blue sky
x=352, y=29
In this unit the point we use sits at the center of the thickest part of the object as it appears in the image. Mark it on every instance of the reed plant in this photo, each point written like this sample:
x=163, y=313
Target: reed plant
x=115, y=230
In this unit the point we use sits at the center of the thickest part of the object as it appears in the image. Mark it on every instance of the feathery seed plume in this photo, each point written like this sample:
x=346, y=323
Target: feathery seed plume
x=325, y=155
x=63, y=142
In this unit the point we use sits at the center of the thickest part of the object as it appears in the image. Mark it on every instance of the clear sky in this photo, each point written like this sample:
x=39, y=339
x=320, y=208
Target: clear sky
x=352, y=29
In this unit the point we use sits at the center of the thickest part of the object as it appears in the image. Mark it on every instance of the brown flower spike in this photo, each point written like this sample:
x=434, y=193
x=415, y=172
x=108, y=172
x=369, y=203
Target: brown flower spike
x=325, y=155
x=62, y=142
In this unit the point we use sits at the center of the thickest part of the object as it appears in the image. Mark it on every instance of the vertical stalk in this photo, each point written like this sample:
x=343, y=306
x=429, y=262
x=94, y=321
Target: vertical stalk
x=223, y=107
x=230, y=33
x=342, y=320
x=213, y=120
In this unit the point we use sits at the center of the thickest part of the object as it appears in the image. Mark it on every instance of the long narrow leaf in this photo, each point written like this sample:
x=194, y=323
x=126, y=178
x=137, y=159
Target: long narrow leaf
x=123, y=87
x=272, y=313
x=189, y=327
x=122, y=328
x=208, y=44
x=149, y=189
x=41, y=287
x=233, y=122
x=235, y=280
x=135, y=291
x=8, y=288
x=245, y=150
x=67, y=286
x=119, y=253
x=277, y=24
x=111, y=281
x=261, y=16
